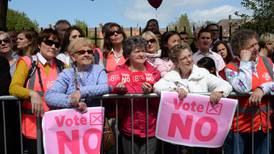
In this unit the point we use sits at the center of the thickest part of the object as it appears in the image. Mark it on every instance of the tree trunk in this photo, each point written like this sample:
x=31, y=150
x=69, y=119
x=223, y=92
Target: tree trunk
x=3, y=14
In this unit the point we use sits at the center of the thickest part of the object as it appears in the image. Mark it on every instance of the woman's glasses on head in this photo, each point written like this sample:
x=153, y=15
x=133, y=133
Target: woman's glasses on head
x=51, y=42
x=81, y=52
x=151, y=41
x=4, y=41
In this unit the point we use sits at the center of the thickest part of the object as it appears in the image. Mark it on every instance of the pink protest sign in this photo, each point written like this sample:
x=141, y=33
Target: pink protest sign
x=193, y=121
x=67, y=131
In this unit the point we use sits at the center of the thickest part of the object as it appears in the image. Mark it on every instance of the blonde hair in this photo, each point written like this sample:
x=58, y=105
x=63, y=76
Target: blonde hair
x=6, y=35
x=266, y=37
x=147, y=34
x=78, y=43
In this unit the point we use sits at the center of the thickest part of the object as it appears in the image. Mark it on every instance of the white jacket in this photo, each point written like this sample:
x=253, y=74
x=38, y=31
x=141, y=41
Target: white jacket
x=199, y=81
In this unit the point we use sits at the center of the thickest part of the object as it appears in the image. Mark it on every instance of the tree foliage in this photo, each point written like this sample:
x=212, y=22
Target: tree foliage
x=19, y=21
x=82, y=24
x=182, y=24
x=262, y=17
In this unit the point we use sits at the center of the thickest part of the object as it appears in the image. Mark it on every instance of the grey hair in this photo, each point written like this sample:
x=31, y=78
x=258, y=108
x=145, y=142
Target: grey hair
x=240, y=40
x=131, y=43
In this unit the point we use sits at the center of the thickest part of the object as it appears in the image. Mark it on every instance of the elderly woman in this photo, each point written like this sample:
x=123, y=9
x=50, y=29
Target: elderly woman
x=136, y=76
x=189, y=78
x=6, y=51
x=32, y=78
x=249, y=72
x=266, y=43
x=75, y=86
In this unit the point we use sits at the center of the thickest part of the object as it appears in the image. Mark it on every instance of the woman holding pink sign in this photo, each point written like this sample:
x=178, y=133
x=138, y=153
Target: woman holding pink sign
x=189, y=78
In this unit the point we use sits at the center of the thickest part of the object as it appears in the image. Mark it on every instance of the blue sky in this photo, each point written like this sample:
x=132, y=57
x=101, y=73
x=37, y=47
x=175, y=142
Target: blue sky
x=125, y=12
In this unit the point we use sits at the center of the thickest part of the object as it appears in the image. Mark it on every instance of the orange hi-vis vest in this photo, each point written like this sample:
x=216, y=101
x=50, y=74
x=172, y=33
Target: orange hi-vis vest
x=253, y=118
x=29, y=119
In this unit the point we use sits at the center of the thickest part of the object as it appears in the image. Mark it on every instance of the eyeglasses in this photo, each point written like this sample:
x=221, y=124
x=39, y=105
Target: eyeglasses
x=81, y=52
x=111, y=33
x=51, y=42
x=151, y=41
x=4, y=41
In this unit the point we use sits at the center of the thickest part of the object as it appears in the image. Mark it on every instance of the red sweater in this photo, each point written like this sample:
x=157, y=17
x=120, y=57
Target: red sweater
x=133, y=82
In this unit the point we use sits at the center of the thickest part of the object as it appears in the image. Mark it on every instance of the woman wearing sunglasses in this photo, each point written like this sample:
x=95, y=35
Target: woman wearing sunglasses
x=75, y=86
x=113, y=50
x=168, y=40
x=153, y=50
x=31, y=84
x=7, y=52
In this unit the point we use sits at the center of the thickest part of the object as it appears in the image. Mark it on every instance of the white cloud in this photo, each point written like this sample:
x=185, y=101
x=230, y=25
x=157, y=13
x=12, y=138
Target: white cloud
x=189, y=3
x=140, y=11
x=214, y=14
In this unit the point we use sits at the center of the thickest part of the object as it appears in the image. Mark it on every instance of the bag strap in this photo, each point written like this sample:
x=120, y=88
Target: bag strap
x=60, y=65
x=40, y=80
x=268, y=65
x=33, y=67
x=105, y=62
x=96, y=56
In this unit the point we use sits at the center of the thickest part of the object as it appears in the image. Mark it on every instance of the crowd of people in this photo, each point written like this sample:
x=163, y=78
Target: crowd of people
x=61, y=68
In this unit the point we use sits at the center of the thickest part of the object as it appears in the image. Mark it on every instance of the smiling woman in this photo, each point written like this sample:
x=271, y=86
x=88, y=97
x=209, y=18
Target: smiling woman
x=186, y=78
x=31, y=88
x=136, y=76
x=75, y=86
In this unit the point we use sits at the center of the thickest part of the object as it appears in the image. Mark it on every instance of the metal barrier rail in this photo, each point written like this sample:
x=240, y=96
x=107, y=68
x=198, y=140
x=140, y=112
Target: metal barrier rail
x=5, y=99
x=113, y=96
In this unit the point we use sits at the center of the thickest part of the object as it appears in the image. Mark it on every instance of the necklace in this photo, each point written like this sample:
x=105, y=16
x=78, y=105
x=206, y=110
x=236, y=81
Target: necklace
x=117, y=56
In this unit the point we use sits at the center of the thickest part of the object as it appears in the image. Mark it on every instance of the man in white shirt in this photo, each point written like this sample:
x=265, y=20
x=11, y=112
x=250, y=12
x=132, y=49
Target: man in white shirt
x=204, y=42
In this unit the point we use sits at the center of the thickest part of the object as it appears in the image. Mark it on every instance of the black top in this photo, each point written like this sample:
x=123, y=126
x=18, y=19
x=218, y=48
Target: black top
x=5, y=77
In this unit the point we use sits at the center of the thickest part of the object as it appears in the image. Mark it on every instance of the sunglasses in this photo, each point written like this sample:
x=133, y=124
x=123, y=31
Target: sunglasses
x=76, y=36
x=111, y=33
x=4, y=41
x=151, y=41
x=81, y=52
x=51, y=42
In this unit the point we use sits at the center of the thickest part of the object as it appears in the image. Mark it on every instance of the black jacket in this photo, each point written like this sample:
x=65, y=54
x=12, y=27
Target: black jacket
x=5, y=77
